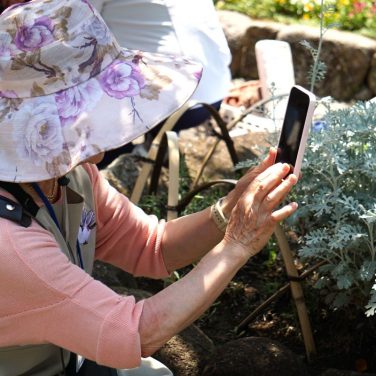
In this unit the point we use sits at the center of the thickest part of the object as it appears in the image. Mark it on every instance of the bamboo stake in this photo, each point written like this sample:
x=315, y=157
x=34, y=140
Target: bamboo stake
x=173, y=170
x=297, y=293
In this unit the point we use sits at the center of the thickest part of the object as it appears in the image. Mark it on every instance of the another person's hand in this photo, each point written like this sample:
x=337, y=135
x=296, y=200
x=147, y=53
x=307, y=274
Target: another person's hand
x=255, y=215
x=233, y=196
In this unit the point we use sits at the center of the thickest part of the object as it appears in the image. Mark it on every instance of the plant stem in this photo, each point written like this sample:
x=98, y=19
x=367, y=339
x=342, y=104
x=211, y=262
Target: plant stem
x=317, y=57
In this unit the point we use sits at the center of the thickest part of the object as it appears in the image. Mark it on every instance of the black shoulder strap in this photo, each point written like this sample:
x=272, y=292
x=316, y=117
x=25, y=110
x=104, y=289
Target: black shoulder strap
x=22, y=197
x=25, y=200
x=14, y=212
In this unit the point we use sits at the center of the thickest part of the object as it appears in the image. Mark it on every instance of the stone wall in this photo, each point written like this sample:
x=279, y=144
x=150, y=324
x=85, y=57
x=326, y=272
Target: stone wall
x=350, y=58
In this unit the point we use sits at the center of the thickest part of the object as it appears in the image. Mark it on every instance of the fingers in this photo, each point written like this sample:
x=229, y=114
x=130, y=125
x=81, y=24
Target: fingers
x=269, y=159
x=256, y=176
x=253, y=206
x=253, y=219
x=270, y=190
x=269, y=179
x=267, y=162
x=276, y=196
x=285, y=212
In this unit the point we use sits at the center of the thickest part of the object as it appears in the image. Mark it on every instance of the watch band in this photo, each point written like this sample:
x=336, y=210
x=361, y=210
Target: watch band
x=217, y=215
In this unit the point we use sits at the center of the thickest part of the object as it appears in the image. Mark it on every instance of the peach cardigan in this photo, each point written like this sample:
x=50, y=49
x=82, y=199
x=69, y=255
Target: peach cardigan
x=44, y=298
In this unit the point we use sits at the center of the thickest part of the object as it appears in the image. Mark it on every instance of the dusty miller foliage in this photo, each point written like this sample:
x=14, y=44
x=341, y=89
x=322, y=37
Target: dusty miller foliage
x=338, y=211
x=336, y=219
x=337, y=196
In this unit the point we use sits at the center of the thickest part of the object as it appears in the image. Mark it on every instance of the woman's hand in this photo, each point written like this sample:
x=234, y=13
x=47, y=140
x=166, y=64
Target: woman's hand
x=254, y=216
x=232, y=198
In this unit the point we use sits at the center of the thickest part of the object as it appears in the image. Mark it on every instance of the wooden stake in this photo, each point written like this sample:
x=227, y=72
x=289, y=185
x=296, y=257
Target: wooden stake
x=297, y=293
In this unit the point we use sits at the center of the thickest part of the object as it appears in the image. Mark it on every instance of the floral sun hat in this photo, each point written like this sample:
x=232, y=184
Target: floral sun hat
x=69, y=91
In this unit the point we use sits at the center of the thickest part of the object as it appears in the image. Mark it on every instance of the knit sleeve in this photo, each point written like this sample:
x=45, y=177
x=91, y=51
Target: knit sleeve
x=126, y=236
x=44, y=298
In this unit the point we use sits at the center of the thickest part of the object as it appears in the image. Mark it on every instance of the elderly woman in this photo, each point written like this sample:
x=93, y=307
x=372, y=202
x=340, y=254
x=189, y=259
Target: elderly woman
x=69, y=93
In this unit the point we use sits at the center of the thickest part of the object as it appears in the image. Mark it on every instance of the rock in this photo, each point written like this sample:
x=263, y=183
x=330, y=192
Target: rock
x=346, y=55
x=186, y=353
x=350, y=58
x=364, y=94
x=372, y=75
x=122, y=173
x=258, y=30
x=235, y=26
x=338, y=372
x=254, y=356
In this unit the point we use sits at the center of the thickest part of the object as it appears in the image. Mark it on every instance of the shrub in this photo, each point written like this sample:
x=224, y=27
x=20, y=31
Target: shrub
x=346, y=14
x=337, y=195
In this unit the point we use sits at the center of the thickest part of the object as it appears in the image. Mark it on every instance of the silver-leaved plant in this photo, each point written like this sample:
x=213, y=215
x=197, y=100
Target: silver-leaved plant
x=337, y=195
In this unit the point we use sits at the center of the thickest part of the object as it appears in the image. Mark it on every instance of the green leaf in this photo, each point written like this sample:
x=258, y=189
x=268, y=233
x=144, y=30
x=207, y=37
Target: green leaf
x=367, y=270
x=344, y=281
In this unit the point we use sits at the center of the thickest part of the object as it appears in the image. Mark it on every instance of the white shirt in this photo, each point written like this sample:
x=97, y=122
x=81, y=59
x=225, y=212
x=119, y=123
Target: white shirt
x=181, y=27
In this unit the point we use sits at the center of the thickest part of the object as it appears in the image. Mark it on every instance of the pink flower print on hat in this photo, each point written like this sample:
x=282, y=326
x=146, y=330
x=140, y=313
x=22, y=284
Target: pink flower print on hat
x=36, y=35
x=122, y=79
x=98, y=31
x=37, y=131
x=72, y=102
x=8, y=94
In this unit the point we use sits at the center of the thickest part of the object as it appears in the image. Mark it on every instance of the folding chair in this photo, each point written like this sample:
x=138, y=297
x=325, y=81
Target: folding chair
x=150, y=160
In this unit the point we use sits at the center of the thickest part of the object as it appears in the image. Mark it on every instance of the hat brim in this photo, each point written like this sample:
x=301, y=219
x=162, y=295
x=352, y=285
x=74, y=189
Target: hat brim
x=46, y=136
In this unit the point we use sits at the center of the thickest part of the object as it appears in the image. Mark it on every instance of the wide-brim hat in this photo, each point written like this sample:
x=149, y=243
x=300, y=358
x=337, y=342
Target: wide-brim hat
x=69, y=91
